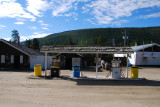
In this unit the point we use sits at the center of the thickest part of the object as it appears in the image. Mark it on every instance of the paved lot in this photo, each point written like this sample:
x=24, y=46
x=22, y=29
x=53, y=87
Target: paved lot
x=17, y=90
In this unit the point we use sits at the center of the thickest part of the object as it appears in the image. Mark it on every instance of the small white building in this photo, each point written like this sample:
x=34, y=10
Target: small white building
x=144, y=55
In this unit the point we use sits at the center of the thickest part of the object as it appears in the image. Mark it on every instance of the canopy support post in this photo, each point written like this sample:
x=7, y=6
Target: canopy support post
x=46, y=64
x=96, y=65
x=127, y=67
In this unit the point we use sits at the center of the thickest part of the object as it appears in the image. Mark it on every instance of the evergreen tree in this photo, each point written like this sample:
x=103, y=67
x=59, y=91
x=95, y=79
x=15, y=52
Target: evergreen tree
x=70, y=42
x=28, y=43
x=35, y=44
x=15, y=36
x=94, y=41
x=83, y=43
x=46, y=43
x=136, y=42
x=100, y=40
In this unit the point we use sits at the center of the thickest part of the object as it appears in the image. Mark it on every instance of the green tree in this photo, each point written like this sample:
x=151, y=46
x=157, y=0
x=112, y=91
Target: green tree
x=136, y=42
x=70, y=42
x=35, y=44
x=28, y=43
x=94, y=41
x=15, y=36
x=100, y=40
x=46, y=43
x=83, y=43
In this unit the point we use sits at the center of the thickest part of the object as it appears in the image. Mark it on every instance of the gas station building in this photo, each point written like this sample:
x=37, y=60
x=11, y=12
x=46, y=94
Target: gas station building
x=86, y=50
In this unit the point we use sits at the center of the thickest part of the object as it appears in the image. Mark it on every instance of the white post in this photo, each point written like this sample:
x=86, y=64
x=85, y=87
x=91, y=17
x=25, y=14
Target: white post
x=45, y=64
x=127, y=68
x=96, y=69
x=96, y=65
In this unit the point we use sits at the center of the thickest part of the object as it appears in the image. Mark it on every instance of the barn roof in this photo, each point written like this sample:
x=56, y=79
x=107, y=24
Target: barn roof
x=23, y=49
x=140, y=47
x=86, y=49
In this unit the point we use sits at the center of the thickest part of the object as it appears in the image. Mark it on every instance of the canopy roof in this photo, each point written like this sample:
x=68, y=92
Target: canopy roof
x=87, y=49
x=140, y=47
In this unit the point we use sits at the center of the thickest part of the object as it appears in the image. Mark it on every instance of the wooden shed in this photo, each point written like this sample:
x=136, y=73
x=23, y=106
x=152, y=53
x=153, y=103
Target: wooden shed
x=15, y=56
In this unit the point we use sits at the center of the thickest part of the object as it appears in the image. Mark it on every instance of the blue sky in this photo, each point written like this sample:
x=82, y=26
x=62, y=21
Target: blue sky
x=39, y=18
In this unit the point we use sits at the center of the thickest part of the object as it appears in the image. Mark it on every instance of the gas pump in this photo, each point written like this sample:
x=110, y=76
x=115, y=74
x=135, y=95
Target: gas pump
x=116, y=69
x=55, y=67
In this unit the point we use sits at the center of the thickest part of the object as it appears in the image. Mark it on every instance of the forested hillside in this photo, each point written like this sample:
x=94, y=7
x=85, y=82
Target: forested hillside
x=104, y=37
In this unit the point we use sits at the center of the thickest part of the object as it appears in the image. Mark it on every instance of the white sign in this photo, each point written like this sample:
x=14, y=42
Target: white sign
x=76, y=61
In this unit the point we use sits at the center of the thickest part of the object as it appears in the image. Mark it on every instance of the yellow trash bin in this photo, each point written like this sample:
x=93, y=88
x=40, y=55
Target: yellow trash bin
x=134, y=72
x=37, y=70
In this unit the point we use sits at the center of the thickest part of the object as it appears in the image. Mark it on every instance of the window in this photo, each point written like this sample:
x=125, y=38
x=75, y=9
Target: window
x=2, y=58
x=8, y=59
x=12, y=59
x=21, y=59
x=154, y=55
x=145, y=54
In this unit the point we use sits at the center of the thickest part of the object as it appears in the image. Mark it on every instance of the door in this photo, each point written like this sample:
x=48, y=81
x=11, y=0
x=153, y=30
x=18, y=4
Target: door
x=16, y=61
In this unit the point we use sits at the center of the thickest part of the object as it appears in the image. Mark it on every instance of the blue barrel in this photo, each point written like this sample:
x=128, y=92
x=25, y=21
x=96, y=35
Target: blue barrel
x=76, y=71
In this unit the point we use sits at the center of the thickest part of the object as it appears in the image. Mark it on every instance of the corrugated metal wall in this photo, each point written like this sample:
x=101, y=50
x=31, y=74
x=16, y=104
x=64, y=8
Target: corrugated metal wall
x=40, y=60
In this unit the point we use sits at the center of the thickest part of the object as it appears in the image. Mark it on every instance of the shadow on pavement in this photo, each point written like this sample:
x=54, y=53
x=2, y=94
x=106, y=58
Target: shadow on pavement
x=112, y=82
x=18, y=70
x=103, y=82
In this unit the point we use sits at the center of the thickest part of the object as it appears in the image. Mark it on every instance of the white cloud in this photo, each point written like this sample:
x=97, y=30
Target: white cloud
x=34, y=35
x=40, y=21
x=119, y=22
x=69, y=14
x=20, y=19
x=2, y=26
x=106, y=11
x=19, y=23
x=37, y=7
x=39, y=35
x=91, y=21
x=44, y=26
x=33, y=28
x=59, y=7
x=8, y=39
x=74, y=15
x=12, y=9
x=153, y=15
x=102, y=11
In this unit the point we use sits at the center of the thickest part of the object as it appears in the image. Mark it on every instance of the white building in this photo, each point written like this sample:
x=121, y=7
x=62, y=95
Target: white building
x=144, y=55
x=148, y=54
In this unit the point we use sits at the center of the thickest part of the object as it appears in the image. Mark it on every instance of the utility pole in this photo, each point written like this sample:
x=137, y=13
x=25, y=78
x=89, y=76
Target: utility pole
x=113, y=42
x=125, y=37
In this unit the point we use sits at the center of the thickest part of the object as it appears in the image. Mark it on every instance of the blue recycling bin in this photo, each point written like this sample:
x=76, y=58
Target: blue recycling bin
x=76, y=71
